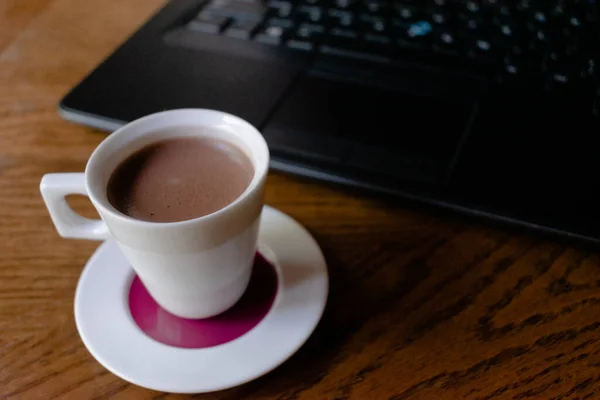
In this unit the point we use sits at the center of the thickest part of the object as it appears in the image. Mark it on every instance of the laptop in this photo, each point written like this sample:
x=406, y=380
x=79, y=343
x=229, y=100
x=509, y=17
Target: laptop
x=486, y=107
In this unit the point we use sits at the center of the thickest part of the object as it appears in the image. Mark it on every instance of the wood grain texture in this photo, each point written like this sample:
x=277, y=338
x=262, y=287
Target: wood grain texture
x=15, y=15
x=421, y=306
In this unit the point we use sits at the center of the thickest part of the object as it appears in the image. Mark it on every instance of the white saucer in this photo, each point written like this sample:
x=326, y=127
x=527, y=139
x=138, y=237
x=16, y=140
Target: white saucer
x=110, y=333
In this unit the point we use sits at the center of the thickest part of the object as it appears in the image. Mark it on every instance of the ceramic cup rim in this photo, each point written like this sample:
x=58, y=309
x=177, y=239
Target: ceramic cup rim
x=260, y=163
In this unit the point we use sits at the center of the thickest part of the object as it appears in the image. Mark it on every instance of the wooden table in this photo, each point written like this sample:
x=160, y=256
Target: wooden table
x=421, y=306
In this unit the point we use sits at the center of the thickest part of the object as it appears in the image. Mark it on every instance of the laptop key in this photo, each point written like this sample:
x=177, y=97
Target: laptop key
x=375, y=6
x=299, y=45
x=439, y=18
x=344, y=43
x=236, y=9
x=345, y=3
x=270, y=35
x=516, y=68
x=373, y=38
x=311, y=13
x=483, y=51
x=208, y=23
x=283, y=9
x=281, y=22
x=310, y=32
x=414, y=35
x=372, y=23
x=241, y=29
x=344, y=33
x=352, y=52
x=342, y=18
x=564, y=70
x=404, y=11
x=312, y=28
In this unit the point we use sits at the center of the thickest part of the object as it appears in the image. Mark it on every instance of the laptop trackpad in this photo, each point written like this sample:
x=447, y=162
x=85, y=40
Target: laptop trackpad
x=371, y=131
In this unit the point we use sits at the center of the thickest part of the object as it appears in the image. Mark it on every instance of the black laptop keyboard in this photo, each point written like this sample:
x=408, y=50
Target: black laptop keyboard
x=553, y=43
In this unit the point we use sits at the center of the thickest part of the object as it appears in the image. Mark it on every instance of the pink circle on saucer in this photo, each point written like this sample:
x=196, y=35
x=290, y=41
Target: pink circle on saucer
x=168, y=329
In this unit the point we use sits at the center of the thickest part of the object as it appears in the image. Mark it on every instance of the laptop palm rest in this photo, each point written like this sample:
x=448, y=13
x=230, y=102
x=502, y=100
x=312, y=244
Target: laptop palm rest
x=391, y=133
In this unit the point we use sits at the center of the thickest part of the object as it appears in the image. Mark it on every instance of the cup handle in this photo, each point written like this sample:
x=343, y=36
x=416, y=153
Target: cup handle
x=69, y=224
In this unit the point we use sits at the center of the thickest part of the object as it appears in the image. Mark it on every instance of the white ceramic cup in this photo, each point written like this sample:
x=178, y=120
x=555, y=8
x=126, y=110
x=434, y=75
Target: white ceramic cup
x=196, y=268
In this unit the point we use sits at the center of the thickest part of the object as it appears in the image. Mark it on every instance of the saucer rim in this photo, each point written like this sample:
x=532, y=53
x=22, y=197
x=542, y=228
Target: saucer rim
x=269, y=218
